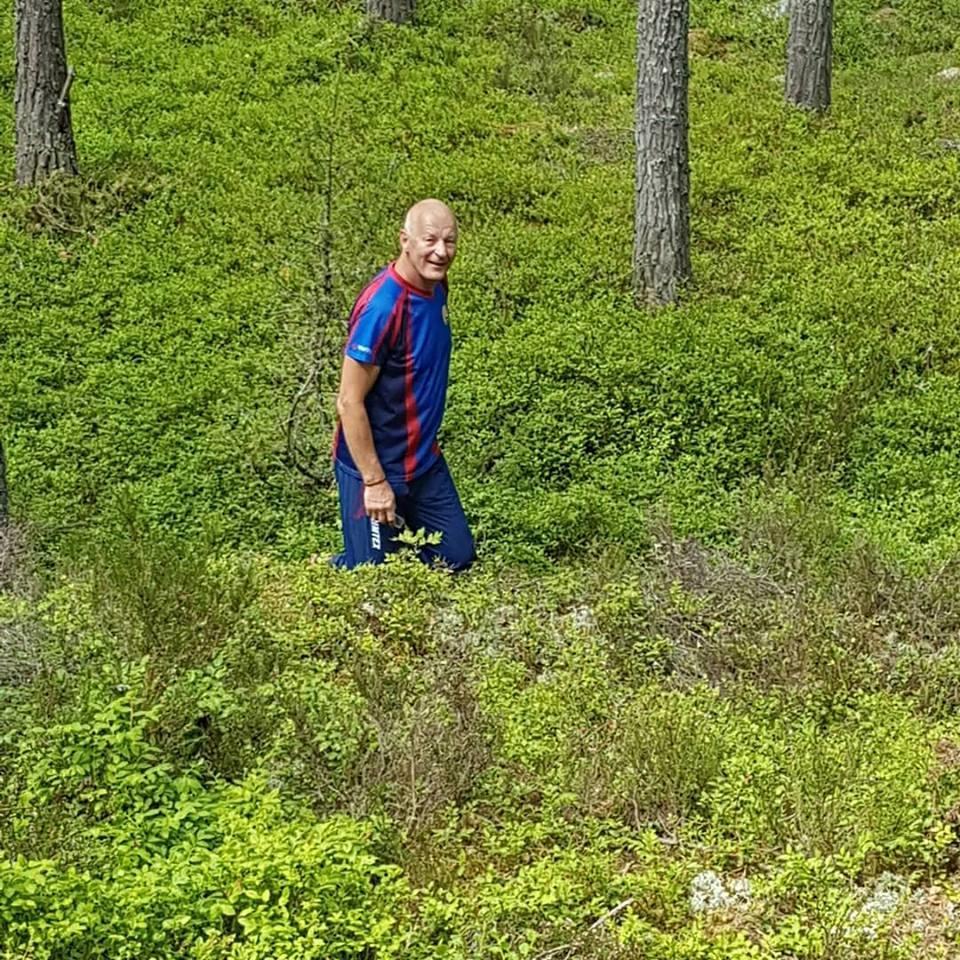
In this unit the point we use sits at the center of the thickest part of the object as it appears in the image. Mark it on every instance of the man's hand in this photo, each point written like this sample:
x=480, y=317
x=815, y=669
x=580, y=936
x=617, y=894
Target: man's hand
x=380, y=502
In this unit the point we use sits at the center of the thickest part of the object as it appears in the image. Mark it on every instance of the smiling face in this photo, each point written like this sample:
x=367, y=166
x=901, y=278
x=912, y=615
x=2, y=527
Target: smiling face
x=428, y=243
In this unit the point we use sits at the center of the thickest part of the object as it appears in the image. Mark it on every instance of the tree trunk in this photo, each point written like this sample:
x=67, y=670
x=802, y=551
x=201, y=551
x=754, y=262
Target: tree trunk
x=396, y=11
x=661, y=254
x=809, y=54
x=44, y=133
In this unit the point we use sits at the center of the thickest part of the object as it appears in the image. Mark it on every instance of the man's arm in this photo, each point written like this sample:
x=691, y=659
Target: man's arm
x=356, y=380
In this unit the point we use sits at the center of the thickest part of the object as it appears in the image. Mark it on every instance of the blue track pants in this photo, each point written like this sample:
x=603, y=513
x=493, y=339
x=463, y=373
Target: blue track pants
x=429, y=502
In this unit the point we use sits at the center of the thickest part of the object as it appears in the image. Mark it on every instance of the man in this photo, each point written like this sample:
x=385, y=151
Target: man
x=393, y=387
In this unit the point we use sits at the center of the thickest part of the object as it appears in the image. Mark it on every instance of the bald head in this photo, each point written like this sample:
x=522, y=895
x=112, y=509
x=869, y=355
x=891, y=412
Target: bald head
x=426, y=213
x=428, y=244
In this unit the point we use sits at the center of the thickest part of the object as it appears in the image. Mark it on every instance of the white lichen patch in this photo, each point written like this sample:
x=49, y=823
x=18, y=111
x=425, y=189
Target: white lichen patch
x=708, y=892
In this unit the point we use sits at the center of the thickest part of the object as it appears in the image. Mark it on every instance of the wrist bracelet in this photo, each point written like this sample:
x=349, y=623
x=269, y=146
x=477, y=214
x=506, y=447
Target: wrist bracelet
x=376, y=483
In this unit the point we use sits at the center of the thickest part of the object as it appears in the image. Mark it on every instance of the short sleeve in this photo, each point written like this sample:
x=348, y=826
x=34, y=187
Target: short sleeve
x=371, y=337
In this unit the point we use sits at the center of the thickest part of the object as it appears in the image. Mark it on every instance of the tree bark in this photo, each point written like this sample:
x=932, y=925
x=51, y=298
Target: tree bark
x=44, y=132
x=396, y=11
x=661, y=255
x=809, y=54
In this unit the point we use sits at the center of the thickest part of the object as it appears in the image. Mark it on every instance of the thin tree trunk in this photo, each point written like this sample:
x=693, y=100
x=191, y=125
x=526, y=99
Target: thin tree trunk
x=44, y=132
x=4, y=495
x=397, y=11
x=809, y=54
x=661, y=255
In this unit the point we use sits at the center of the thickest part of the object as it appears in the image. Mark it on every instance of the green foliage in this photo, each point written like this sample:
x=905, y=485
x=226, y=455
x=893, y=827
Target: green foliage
x=742, y=679
x=428, y=766
x=265, y=888
x=178, y=290
x=145, y=858
x=166, y=597
x=848, y=783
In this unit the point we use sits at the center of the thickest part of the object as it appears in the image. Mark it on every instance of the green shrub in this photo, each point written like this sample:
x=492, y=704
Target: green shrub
x=268, y=886
x=854, y=782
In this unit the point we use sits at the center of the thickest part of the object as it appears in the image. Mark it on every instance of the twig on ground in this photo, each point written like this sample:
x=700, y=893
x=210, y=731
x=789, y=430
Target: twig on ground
x=569, y=948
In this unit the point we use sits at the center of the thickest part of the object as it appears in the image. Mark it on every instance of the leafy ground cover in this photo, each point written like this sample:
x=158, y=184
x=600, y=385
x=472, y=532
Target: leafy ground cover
x=698, y=701
x=159, y=314
x=688, y=758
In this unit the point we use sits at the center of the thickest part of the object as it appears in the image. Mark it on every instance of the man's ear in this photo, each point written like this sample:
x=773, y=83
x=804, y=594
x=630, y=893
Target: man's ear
x=404, y=239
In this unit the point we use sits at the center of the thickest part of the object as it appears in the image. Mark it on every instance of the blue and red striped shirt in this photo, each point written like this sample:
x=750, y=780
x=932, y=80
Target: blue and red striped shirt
x=403, y=330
